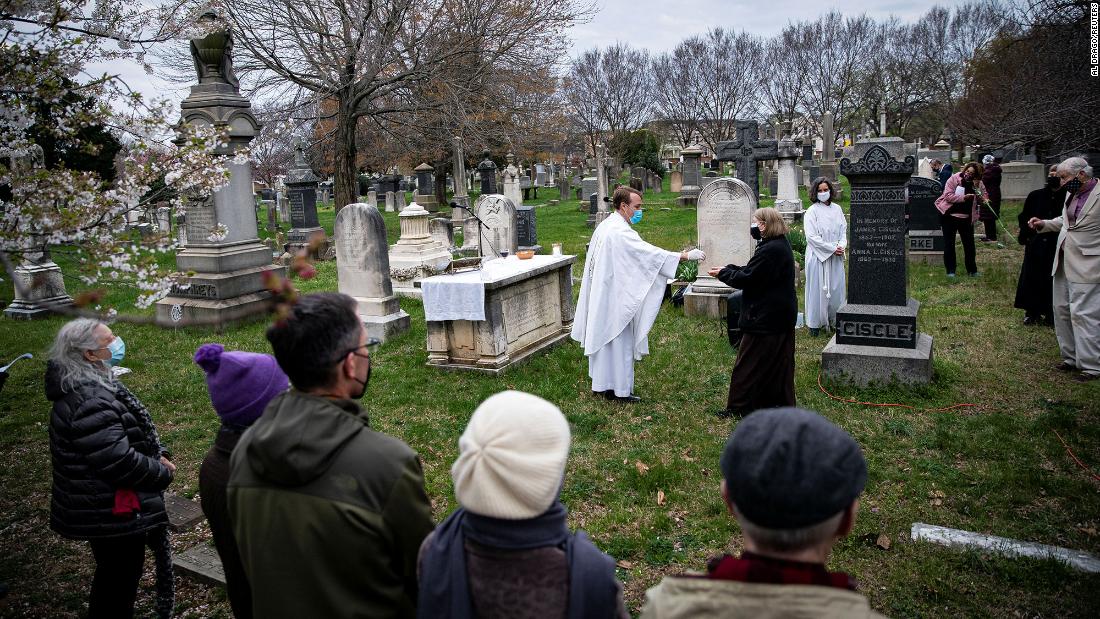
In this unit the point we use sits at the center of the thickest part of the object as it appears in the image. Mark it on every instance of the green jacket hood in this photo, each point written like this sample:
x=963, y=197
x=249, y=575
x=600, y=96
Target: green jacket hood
x=299, y=435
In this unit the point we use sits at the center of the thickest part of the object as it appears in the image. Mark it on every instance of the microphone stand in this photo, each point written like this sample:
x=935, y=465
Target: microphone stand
x=480, y=225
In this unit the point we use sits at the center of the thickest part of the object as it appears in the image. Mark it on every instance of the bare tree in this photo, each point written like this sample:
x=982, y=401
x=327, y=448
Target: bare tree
x=609, y=90
x=728, y=69
x=676, y=101
x=792, y=68
x=387, y=59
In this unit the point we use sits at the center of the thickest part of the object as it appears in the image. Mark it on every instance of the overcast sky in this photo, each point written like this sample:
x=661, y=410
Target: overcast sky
x=657, y=25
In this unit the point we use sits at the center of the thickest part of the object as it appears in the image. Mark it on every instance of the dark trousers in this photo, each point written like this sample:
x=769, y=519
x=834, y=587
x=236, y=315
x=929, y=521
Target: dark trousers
x=950, y=225
x=990, y=218
x=118, y=563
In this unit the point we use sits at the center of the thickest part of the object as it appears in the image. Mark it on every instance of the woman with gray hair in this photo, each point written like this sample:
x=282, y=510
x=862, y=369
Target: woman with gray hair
x=1076, y=288
x=109, y=469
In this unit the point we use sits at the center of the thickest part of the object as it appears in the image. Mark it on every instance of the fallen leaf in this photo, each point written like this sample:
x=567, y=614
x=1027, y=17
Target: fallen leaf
x=649, y=417
x=626, y=565
x=660, y=497
x=883, y=541
x=937, y=502
x=642, y=468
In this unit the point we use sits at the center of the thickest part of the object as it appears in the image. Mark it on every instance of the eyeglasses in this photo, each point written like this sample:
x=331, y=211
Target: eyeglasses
x=372, y=345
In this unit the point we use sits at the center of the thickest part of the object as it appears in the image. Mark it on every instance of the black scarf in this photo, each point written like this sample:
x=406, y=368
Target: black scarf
x=445, y=591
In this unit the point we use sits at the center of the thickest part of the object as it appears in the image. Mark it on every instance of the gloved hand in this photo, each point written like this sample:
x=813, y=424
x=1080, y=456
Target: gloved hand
x=696, y=255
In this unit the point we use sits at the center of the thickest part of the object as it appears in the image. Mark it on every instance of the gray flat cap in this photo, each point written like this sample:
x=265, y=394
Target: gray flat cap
x=788, y=468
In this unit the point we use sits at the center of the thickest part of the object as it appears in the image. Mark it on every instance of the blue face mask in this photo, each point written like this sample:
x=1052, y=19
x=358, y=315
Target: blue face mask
x=636, y=217
x=118, y=351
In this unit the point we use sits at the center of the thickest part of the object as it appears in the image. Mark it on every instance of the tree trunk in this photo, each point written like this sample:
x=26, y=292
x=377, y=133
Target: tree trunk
x=345, y=177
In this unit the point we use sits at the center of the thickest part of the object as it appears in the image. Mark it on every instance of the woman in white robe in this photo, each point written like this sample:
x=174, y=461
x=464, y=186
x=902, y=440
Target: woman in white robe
x=826, y=243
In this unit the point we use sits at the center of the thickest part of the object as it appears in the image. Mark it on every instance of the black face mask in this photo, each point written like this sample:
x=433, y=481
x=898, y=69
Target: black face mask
x=1072, y=185
x=754, y=232
x=1053, y=182
x=363, y=383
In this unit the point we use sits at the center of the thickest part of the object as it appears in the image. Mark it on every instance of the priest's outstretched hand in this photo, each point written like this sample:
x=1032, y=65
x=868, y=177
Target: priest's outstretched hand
x=695, y=255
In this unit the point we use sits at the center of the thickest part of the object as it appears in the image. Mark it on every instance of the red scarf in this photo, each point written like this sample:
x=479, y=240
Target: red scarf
x=751, y=567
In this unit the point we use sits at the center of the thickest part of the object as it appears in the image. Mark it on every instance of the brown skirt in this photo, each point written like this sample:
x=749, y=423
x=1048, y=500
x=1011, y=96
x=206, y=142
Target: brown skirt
x=763, y=375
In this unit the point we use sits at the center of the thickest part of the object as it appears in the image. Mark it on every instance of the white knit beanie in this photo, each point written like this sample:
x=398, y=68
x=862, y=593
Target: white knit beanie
x=511, y=458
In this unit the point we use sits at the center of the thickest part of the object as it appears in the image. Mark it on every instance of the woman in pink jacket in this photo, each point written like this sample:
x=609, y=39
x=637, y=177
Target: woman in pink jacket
x=958, y=206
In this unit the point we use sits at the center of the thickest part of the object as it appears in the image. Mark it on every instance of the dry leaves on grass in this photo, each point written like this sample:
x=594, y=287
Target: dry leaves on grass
x=660, y=497
x=626, y=565
x=641, y=466
x=936, y=497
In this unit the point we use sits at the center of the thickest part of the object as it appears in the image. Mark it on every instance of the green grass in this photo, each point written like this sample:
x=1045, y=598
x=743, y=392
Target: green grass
x=996, y=468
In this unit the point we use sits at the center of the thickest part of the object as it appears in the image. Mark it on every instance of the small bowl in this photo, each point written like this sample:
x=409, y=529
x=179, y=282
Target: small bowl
x=526, y=254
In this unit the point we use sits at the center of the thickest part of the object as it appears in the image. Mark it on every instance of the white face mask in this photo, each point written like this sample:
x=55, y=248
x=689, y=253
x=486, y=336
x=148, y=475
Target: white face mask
x=823, y=196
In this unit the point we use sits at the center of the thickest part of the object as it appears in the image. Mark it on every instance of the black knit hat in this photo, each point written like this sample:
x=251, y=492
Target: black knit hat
x=788, y=468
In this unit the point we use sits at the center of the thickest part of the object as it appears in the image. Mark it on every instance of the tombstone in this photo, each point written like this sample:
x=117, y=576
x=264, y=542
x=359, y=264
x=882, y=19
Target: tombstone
x=676, y=181
x=638, y=178
x=200, y=563
x=416, y=254
x=1019, y=179
x=588, y=186
x=372, y=199
x=807, y=152
x=692, y=177
x=442, y=231
x=511, y=182
x=425, y=187
x=925, y=234
x=766, y=178
x=40, y=277
x=540, y=175
x=183, y=514
x=564, y=185
x=498, y=214
x=709, y=178
x=924, y=169
x=828, y=166
x=654, y=181
x=399, y=201
x=272, y=216
x=488, y=171
x=391, y=202
x=364, y=184
x=877, y=338
x=389, y=182
x=725, y=213
x=746, y=151
x=526, y=230
x=164, y=220
x=787, y=200
x=181, y=230
x=230, y=270
x=363, y=270
x=458, y=163
x=301, y=185
x=593, y=209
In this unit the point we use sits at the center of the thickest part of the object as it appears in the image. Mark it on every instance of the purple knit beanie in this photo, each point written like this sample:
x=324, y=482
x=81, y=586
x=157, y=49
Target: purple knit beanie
x=240, y=383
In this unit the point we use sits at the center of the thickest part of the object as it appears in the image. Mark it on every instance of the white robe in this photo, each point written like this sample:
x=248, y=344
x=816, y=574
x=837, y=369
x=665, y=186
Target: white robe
x=826, y=229
x=621, y=291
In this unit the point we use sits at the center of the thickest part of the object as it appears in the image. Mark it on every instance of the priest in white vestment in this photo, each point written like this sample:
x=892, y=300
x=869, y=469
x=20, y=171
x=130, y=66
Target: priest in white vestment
x=624, y=282
x=826, y=242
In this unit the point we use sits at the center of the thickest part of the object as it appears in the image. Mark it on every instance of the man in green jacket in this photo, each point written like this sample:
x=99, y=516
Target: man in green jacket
x=328, y=513
x=792, y=480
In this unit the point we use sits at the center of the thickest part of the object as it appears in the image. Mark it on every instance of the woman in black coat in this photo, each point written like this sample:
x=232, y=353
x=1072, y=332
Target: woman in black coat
x=109, y=470
x=763, y=375
x=1033, y=290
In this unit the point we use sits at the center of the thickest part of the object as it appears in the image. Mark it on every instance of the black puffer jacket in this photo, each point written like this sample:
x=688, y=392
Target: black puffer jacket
x=769, y=304
x=99, y=446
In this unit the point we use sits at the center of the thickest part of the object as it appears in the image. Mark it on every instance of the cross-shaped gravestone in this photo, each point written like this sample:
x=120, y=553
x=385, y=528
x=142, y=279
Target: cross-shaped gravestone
x=746, y=151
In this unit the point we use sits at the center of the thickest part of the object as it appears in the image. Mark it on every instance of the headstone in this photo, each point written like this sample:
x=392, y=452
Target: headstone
x=692, y=178
x=498, y=214
x=391, y=202
x=1019, y=179
x=164, y=220
x=676, y=181
x=807, y=152
x=725, y=213
x=460, y=197
x=924, y=169
x=588, y=186
x=602, y=176
x=564, y=185
x=183, y=514
x=282, y=204
x=746, y=151
x=228, y=271
x=488, y=171
x=425, y=187
x=416, y=254
x=442, y=232
x=638, y=176
x=540, y=174
x=877, y=338
x=363, y=270
x=301, y=185
x=654, y=181
x=787, y=200
x=364, y=184
x=399, y=201
x=201, y=563
x=526, y=229
x=512, y=189
x=766, y=178
x=828, y=147
x=372, y=199
x=925, y=234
